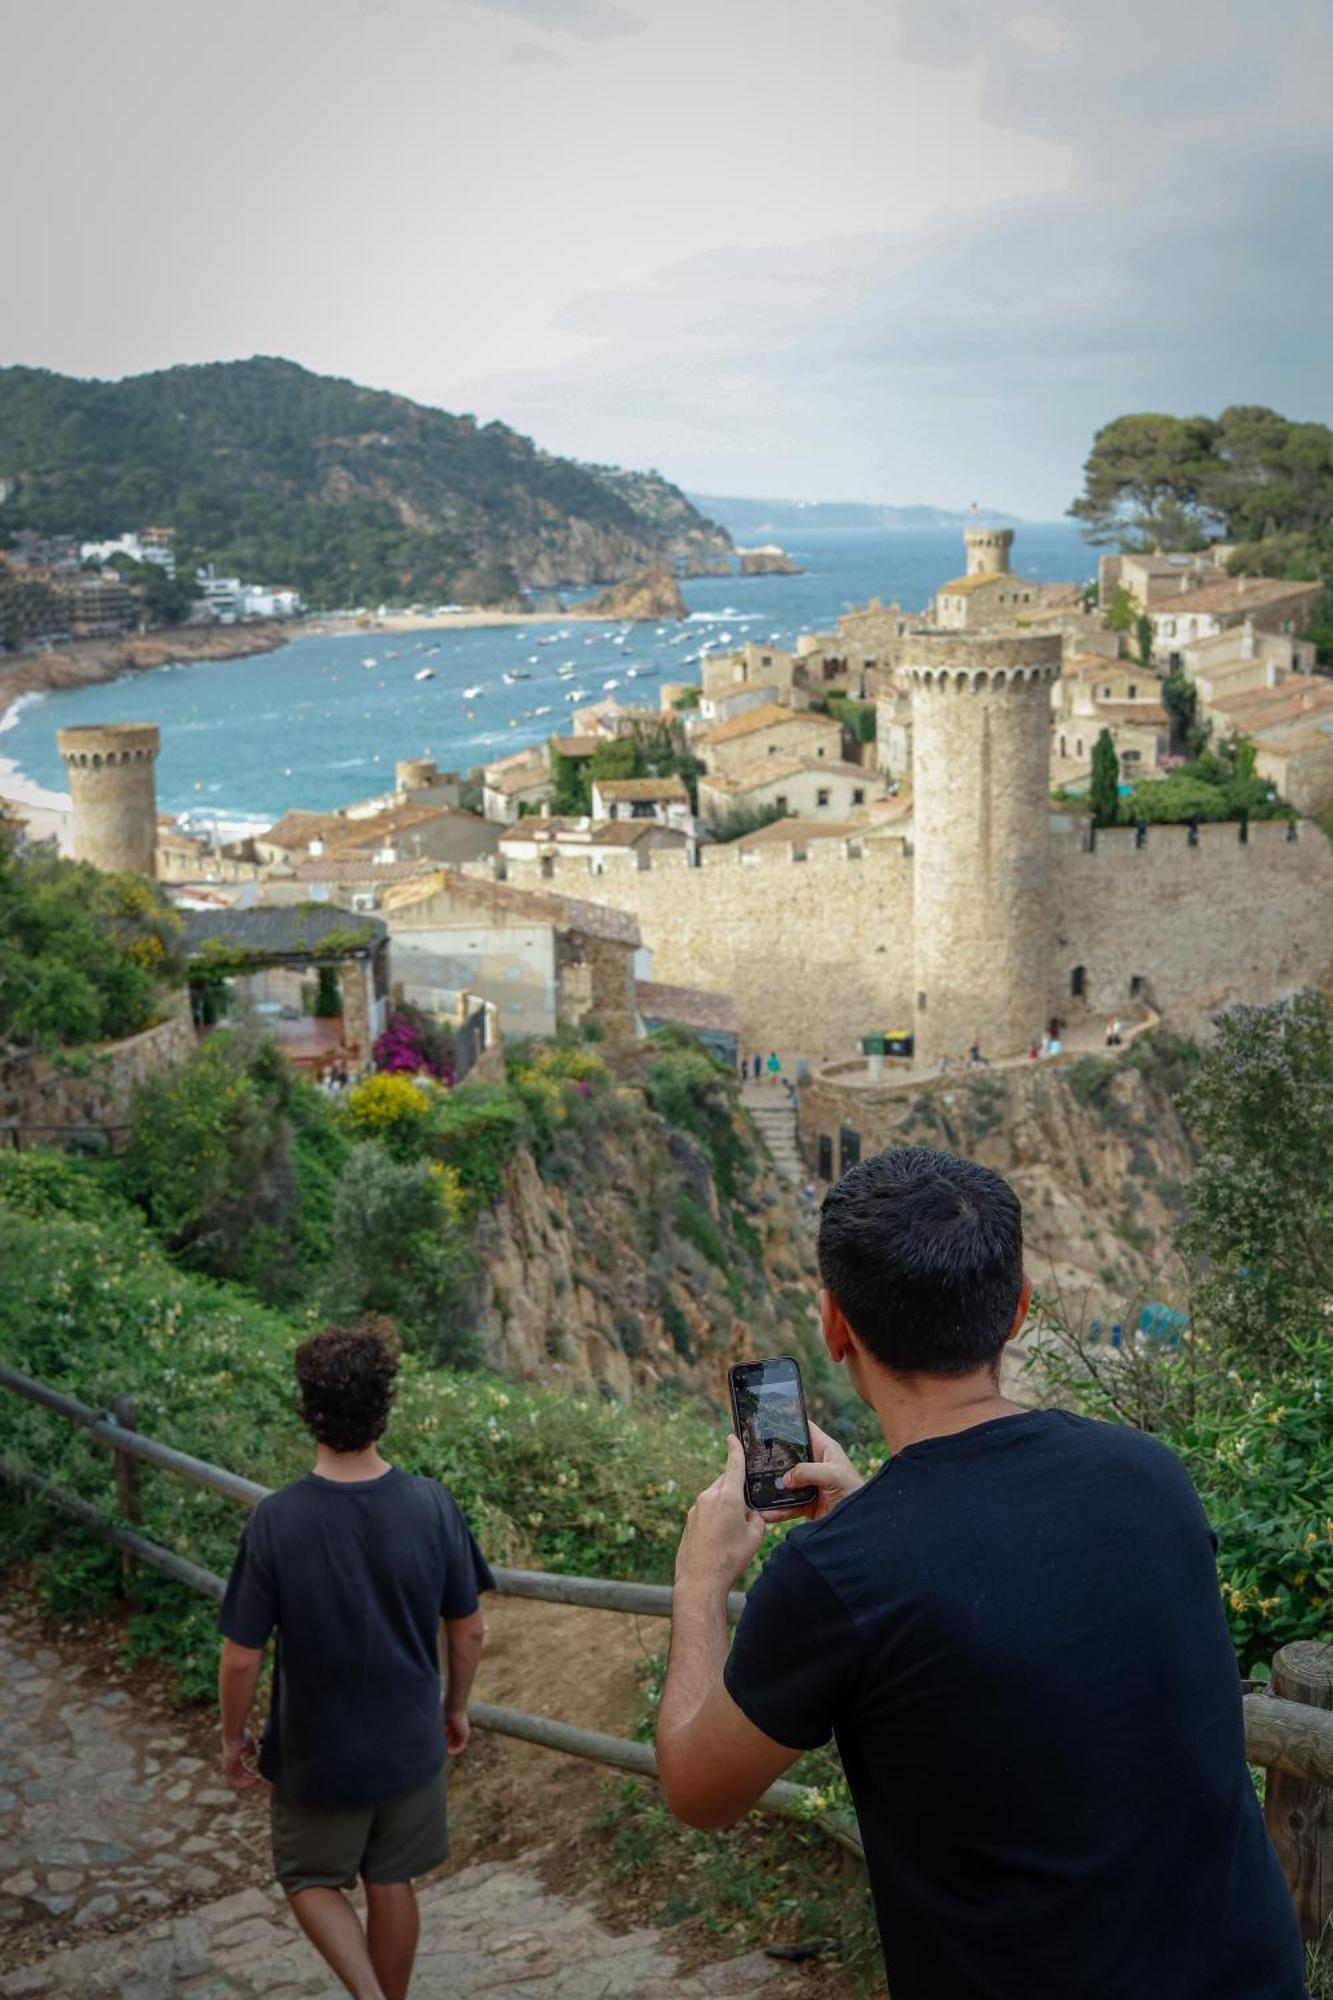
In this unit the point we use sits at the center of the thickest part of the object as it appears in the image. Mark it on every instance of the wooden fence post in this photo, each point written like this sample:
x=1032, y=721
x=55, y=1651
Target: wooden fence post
x=125, y=1410
x=1299, y=1815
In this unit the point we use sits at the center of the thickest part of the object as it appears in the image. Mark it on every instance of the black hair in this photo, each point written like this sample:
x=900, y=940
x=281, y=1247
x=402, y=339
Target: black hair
x=923, y=1252
x=346, y=1378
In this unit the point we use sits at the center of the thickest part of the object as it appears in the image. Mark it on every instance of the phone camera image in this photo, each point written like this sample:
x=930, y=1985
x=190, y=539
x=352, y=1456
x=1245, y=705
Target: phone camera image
x=772, y=1427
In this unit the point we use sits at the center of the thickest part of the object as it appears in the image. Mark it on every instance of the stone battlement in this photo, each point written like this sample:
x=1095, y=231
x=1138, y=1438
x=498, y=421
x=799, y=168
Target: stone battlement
x=91, y=746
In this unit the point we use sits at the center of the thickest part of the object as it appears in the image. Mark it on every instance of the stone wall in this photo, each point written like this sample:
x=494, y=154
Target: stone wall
x=89, y=1088
x=1201, y=925
x=815, y=952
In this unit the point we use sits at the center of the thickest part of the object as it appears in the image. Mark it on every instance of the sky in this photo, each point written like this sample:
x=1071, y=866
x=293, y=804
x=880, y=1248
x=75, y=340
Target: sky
x=885, y=250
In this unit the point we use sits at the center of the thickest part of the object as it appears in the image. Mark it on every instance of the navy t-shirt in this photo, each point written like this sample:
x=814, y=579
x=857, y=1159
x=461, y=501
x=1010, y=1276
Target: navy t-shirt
x=356, y=1578
x=1016, y=1635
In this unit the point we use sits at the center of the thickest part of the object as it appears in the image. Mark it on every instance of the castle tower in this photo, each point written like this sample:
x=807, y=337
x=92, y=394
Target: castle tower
x=988, y=550
x=981, y=727
x=111, y=780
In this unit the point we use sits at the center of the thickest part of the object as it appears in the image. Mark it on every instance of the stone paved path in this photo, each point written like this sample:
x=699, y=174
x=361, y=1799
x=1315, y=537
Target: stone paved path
x=120, y=1854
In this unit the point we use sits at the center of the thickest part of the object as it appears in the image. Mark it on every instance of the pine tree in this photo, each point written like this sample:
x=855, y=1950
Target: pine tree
x=1104, y=791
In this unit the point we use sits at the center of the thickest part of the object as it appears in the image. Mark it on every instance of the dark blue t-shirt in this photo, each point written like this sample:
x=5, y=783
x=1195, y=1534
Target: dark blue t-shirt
x=356, y=1579
x=1016, y=1635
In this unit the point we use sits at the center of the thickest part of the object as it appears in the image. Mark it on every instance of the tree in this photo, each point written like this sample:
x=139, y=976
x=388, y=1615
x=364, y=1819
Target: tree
x=1180, y=699
x=1143, y=637
x=399, y=1251
x=1143, y=482
x=1104, y=791
x=210, y=1161
x=1120, y=617
x=1261, y=1204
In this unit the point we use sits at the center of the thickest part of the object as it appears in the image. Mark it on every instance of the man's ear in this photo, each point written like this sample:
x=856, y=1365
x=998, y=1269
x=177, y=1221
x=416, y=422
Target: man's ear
x=1021, y=1310
x=838, y=1336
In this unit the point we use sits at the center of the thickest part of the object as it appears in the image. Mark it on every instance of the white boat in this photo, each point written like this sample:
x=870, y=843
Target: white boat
x=517, y=674
x=566, y=673
x=644, y=667
x=370, y=661
x=576, y=694
x=534, y=659
x=472, y=693
x=545, y=709
x=424, y=674
x=612, y=683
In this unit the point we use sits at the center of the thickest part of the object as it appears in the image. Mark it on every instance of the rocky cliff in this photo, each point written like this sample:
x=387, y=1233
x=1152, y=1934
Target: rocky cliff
x=1096, y=1150
x=652, y=597
x=631, y=1269
x=771, y=561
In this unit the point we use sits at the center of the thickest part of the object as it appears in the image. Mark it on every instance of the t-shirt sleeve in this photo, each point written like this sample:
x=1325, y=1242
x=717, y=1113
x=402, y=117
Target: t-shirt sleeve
x=466, y=1570
x=250, y=1607
x=793, y=1662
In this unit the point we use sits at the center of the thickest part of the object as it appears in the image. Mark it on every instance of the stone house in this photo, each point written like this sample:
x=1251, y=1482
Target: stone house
x=513, y=783
x=606, y=843
x=1297, y=760
x=543, y=961
x=664, y=800
x=730, y=702
x=803, y=786
x=1197, y=610
x=770, y=731
x=748, y=665
x=988, y=597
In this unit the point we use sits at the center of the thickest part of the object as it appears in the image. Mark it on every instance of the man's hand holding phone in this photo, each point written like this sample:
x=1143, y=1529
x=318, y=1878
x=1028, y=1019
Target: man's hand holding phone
x=830, y=1472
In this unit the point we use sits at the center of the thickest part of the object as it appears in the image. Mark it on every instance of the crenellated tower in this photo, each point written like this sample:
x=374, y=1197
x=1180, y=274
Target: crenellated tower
x=110, y=768
x=981, y=726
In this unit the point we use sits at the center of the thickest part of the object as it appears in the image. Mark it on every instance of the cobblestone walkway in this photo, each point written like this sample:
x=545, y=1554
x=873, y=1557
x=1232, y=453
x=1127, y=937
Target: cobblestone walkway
x=120, y=1855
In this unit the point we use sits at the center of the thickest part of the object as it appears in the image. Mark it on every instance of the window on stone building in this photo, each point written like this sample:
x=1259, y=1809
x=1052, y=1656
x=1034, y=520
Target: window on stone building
x=825, y=1157
x=920, y=1003
x=858, y=796
x=1136, y=986
x=1078, y=747
x=781, y=802
x=1133, y=690
x=1064, y=752
x=820, y=751
x=822, y=796
x=1078, y=982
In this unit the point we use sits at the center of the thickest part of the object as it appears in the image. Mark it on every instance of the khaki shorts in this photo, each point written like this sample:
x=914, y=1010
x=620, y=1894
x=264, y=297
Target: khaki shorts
x=330, y=1847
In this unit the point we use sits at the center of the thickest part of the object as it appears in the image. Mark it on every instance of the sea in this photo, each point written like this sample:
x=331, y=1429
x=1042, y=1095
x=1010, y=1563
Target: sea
x=322, y=722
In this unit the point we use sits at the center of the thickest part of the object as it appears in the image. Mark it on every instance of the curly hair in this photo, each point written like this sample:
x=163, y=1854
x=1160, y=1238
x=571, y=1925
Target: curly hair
x=346, y=1377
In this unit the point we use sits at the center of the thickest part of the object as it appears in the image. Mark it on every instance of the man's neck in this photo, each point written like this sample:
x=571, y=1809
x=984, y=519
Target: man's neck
x=346, y=1467
x=913, y=1407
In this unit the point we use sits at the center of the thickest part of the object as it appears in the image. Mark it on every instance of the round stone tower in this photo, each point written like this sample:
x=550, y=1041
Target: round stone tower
x=412, y=774
x=111, y=780
x=981, y=776
x=988, y=550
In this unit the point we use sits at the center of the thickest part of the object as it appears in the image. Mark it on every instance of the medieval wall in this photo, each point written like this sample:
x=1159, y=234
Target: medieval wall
x=1200, y=925
x=90, y=1089
x=815, y=952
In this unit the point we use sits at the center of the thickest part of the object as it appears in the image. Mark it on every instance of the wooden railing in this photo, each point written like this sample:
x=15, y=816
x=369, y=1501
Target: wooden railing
x=1291, y=1739
x=115, y=1430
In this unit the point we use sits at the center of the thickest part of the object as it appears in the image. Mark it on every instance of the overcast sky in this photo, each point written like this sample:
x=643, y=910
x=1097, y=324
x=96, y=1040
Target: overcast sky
x=891, y=250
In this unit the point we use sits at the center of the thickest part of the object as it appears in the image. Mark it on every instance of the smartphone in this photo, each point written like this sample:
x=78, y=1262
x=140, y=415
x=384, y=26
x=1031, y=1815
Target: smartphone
x=768, y=1411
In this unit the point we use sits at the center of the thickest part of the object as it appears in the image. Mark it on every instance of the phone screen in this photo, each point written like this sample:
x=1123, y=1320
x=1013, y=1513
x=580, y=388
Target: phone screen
x=768, y=1406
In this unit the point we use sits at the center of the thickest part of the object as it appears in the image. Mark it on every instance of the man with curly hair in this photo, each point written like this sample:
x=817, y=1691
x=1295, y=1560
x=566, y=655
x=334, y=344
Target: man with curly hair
x=355, y=1566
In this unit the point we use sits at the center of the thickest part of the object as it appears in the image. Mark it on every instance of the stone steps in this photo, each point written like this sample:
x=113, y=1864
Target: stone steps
x=774, y=1117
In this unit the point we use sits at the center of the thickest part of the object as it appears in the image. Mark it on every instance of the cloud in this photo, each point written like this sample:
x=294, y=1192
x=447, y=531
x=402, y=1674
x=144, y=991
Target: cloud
x=524, y=53
x=589, y=20
x=981, y=351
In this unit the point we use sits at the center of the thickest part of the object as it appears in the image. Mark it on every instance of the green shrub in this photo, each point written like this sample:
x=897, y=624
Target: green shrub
x=697, y=1094
x=478, y=1130
x=398, y=1251
x=84, y=956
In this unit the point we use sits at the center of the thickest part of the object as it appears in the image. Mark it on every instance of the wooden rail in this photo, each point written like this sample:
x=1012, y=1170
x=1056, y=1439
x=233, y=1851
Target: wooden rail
x=1293, y=1738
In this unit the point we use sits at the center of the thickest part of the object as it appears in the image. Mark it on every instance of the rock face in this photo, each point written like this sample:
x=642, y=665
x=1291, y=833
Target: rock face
x=706, y=566
x=628, y=1270
x=1096, y=1151
x=769, y=561
x=654, y=596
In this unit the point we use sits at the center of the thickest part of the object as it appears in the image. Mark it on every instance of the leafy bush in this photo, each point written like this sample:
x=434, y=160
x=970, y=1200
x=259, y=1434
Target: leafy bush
x=397, y=1250
x=415, y=1041
x=222, y=1153
x=84, y=956
x=391, y=1109
x=697, y=1094
x=478, y=1130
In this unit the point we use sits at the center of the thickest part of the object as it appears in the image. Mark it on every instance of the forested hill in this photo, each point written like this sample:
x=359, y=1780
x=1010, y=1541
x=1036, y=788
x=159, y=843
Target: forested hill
x=350, y=494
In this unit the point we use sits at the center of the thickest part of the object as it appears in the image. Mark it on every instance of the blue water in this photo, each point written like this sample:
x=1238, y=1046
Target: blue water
x=312, y=726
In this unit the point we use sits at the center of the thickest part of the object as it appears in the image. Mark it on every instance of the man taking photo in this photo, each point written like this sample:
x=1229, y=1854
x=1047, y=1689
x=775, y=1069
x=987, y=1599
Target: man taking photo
x=355, y=1566
x=1014, y=1631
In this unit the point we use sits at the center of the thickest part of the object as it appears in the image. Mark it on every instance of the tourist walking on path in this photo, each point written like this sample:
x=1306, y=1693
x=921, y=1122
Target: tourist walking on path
x=773, y=1066
x=355, y=1566
x=757, y=1061
x=1014, y=1631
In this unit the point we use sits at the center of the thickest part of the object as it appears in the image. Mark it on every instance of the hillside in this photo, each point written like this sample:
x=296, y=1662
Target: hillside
x=352, y=495
x=750, y=520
